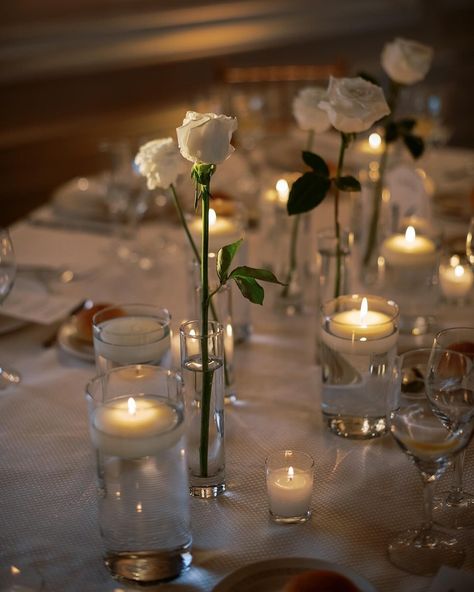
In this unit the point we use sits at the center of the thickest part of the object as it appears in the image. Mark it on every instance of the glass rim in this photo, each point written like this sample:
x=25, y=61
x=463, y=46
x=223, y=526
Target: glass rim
x=284, y=451
x=103, y=375
x=185, y=328
x=357, y=298
x=160, y=313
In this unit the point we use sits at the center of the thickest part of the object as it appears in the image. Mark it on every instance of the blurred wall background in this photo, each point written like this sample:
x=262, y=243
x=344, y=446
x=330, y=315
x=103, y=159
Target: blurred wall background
x=75, y=73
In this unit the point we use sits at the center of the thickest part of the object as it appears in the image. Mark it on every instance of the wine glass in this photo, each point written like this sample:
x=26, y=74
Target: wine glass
x=7, y=277
x=431, y=446
x=455, y=508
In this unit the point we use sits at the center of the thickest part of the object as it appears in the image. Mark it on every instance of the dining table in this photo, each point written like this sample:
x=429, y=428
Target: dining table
x=364, y=490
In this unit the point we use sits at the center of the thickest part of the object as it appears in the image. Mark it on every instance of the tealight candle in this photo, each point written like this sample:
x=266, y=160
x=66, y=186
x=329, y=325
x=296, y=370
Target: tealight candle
x=222, y=231
x=135, y=427
x=455, y=278
x=360, y=330
x=289, y=477
x=409, y=249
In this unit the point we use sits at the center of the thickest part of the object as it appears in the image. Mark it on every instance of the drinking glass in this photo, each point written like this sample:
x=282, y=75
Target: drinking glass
x=431, y=446
x=7, y=278
x=455, y=508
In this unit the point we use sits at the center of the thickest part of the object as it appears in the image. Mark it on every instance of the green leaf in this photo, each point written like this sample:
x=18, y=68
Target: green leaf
x=391, y=132
x=250, y=289
x=306, y=193
x=414, y=144
x=259, y=274
x=224, y=259
x=316, y=163
x=347, y=183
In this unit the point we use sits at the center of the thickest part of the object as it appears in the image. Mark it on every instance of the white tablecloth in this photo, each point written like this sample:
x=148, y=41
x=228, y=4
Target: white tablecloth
x=363, y=493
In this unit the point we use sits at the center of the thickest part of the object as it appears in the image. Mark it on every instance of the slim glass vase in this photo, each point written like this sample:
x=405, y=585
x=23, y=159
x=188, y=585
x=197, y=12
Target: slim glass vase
x=333, y=282
x=202, y=364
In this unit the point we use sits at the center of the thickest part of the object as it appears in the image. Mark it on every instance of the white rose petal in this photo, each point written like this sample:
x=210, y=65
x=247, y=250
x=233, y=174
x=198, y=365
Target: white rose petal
x=205, y=137
x=405, y=61
x=354, y=104
x=307, y=112
x=160, y=162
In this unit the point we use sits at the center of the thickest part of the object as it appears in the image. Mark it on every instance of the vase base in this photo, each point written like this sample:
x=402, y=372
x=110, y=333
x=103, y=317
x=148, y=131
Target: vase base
x=291, y=519
x=354, y=427
x=148, y=567
x=207, y=491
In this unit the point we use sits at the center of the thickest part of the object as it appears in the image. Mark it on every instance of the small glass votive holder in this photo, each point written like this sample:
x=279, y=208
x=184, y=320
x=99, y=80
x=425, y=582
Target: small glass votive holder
x=131, y=334
x=289, y=479
x=16, y=578
x=456, y=278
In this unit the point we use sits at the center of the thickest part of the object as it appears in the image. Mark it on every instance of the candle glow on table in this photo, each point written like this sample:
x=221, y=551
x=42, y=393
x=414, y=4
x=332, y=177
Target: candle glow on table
x=290, y=487
x=135, y=427
x=455, y=279
x=409, y=249
x=360, y=331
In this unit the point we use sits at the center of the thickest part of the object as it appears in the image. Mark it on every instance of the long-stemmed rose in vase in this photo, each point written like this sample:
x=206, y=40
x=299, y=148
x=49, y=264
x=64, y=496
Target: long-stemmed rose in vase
x=405, y=62
x=353, y=105
x=204, y=139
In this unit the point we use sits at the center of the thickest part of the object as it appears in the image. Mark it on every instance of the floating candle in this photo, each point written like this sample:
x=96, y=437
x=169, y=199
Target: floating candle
x=455, y=279
x=409, y=249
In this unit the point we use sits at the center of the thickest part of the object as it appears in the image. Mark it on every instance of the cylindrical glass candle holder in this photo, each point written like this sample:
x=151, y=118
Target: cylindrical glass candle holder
x=456, y=278
x=131, y=334
x=289, y=479
x=358, y=340
x=137, y=428
x=202, y=365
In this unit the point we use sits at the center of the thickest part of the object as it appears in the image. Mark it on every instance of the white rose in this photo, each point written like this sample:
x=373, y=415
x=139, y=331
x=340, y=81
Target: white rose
x=354, y=104
x=406, y=62
x=307, y=112
x=160, y=162
x=205, y=137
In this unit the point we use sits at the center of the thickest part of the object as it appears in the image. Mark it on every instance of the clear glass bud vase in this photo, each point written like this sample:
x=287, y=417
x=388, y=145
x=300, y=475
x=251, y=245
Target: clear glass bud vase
x=334, y=277
x=202, y=364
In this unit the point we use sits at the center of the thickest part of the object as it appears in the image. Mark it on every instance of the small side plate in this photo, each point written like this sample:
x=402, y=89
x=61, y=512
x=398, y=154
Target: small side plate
x=68, y=342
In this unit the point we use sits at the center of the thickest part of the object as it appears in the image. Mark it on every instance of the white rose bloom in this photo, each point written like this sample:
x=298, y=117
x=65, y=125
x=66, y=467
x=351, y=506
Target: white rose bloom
x=307, y=112
x=205, y=137
x=160, y=162
x=354, y=104
x=406, y=62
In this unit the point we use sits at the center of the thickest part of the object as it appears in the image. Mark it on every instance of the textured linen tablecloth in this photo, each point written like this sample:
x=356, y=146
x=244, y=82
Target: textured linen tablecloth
x=363, y=492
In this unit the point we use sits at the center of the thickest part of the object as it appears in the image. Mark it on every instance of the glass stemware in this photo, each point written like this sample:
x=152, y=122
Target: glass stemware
x=431, y=446
x=7, y=278
x=455, y=508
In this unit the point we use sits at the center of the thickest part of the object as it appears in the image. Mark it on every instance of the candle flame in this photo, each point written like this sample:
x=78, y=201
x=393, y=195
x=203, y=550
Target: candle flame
x=14, y=570
x=410, y=234
x=282, y=189
x=375, y=140
x=364, y=309
x=132, y=406
x=291, y=473
x=459, y=271
x=212, y=217
x=454, y=260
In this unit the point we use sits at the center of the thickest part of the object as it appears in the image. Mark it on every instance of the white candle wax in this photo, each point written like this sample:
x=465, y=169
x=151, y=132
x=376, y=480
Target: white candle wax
x=132, y=340
x=455, y=280
x=222, y=231
x=408, y=250
x=360, y=331
x=134, y=427
x=289, y=491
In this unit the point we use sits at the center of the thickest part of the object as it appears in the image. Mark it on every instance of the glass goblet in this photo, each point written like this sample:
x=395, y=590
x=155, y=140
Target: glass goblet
x=454, y=508
x=431, y=446
x=7, y=278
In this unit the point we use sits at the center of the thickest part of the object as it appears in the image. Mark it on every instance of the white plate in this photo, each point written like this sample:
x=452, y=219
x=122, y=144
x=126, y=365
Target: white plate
x=68, y=342
x=9, y=324
x=273, y=574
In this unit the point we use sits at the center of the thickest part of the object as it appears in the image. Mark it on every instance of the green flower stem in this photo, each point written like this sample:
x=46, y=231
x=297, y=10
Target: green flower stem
x=294, y=234
x=207, y=375
x=378, y=188
x=337, y=228
x=182, y=219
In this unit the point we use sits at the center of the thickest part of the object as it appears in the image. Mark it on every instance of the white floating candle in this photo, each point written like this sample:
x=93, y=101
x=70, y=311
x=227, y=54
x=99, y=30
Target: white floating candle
x=289, y=491
x=455, y=279
x=134, y=427
x=409, y=249
x=132, y=340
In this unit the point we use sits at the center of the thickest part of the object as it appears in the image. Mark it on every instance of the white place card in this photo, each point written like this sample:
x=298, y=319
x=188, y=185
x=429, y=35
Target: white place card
x=449, y=579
